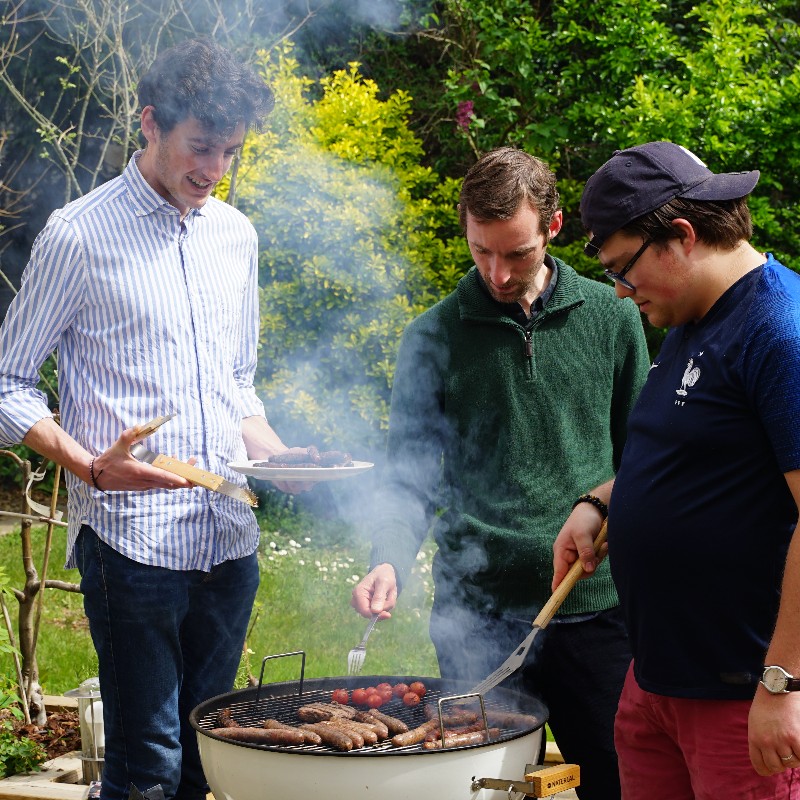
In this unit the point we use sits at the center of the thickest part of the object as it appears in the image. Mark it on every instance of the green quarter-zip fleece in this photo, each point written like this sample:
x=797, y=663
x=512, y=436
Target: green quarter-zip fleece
x=494, y=432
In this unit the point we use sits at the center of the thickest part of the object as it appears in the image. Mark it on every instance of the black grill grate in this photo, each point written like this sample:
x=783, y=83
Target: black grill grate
x=249, y=707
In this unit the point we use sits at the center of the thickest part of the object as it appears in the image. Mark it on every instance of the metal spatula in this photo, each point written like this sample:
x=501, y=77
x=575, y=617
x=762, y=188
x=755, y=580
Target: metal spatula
x=515, y=660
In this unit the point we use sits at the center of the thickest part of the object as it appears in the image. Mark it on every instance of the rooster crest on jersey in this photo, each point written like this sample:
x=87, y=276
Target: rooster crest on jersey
x=690, y=377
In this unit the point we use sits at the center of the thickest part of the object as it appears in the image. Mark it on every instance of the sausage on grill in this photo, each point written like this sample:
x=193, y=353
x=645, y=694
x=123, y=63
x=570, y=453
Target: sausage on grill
x=451, y=716
x=319, y=712
x=511, y=719
x=341, y=725
x=452, y=731
x=225, y=720
x=462, y=739
x=375, y=725
x=309, y=737
x=393, y=725
x=260, y=735
x=308, y=714
x=416, y=735
x=337, y=709
x=338, y=740
x=367, y=735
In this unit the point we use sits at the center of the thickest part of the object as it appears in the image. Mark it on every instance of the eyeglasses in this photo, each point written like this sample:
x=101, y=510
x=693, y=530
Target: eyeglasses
x=619, y=277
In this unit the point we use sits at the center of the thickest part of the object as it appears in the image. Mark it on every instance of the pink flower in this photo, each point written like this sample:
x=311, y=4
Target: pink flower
x=464, y=114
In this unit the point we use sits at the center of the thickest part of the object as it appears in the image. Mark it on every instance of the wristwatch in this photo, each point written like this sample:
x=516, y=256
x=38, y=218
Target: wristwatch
x=777, y=680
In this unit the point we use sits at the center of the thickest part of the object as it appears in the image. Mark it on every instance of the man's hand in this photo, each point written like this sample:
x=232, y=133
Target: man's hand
x=376, y=593
x=117, y=470
x=114, y=470
x=576, y=540
x=774, y=731
x=261, y=442
x=773, y=728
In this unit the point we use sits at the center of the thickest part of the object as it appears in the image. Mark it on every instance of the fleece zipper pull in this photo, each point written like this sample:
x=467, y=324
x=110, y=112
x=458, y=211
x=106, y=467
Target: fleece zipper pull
x=529, y=343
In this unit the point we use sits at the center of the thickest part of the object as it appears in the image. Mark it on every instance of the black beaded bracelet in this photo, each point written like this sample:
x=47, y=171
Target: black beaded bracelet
x=92, y=476
x=595, y=501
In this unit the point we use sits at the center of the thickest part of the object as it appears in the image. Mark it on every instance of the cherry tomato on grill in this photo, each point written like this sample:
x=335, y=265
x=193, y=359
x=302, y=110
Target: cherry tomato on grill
x=381, y=686
x=359, y=697
x=400, y=689
x=341, y=696
x=374, y=700
x=418, y=687
x=385, y=693
x=411, y=699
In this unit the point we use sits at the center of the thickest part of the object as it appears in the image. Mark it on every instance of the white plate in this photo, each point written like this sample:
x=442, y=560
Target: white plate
x=304, y=474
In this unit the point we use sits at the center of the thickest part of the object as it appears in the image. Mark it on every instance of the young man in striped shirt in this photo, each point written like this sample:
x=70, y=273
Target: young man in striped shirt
x=147, y=287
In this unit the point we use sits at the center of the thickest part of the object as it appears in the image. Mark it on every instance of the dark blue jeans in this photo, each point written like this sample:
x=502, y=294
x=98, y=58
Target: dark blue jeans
x=576, y=668
x=166, y=640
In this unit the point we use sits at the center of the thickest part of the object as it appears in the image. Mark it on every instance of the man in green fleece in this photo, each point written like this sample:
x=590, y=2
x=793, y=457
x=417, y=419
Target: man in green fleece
x=510, y=401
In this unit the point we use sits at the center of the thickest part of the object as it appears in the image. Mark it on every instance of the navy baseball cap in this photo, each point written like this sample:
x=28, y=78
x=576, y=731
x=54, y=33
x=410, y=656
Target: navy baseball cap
x=638, y=180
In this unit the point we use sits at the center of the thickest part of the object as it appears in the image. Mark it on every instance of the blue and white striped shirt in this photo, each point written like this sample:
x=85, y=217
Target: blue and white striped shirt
x=150, y=316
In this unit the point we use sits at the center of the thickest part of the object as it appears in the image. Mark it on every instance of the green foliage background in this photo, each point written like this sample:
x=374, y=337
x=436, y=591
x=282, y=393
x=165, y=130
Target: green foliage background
x=354, y=187
x=573, y=81
x=357, y=238
x=380, y=112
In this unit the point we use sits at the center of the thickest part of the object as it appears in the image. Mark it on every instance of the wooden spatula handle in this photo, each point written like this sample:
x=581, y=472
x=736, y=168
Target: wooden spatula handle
x=209, y=480
x=147, y=428
x=563, y=589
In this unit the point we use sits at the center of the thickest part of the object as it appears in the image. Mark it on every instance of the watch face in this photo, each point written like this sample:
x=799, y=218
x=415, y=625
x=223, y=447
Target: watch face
x=774, y=679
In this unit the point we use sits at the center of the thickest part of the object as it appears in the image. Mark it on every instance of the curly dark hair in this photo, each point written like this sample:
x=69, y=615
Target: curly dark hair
x=199, y=78
x=496, y=186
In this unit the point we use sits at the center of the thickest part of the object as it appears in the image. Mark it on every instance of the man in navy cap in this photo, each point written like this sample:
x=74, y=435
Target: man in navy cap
x=703, y=515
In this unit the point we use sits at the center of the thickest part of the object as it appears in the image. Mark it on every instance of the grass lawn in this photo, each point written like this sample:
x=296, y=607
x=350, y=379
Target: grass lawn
x=308, y=571
x=309, y=567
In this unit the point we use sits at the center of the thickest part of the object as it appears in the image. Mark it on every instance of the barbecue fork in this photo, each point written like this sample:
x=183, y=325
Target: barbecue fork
x=515, y=660
x=355, y=658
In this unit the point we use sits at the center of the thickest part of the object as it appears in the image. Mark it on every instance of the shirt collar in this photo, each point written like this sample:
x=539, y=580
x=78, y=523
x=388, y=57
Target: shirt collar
x=515, y=310
x=146, y=199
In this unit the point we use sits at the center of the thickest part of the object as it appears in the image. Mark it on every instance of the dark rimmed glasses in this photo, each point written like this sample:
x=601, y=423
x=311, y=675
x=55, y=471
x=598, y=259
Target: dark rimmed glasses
x=619, y=277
